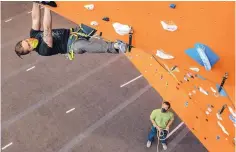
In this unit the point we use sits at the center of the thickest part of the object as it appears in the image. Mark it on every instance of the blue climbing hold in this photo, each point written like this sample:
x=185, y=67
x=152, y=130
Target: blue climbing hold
x=203, y=56
x=222, y=93
x=172, y=6
x=232, y=118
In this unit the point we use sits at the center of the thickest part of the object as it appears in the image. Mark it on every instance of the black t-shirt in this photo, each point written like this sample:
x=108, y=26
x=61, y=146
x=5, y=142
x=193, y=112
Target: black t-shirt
x=60, y=39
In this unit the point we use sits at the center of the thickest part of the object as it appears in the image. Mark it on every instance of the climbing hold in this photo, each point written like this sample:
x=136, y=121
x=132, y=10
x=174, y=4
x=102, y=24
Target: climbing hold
x=169, y=27
x=186, y=103
x=213, y=90
x=161, y=54
x=195, y=69
x=201, y=52
x=174, y=69
x=190, y=75
x=203, y=55
x=225, y=77
x=186, y=79
x=94, y=23
x=222, y=92
x=161, y=76
x=172, y=6
x=89, y=7
x=218, y=116
x=203, y=91
x=232, y=118
x=207, y=112
x=194, y=91
x=200, y=77
x=121, y=29
x=209, y=109
x=223, y=128
x=106, y=19
x=231, y=111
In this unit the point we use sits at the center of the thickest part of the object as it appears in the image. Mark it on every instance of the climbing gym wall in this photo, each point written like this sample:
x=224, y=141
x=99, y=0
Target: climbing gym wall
x=185, y=51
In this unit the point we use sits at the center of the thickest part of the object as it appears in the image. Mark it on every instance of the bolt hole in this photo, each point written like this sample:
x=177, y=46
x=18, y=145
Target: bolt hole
x=197, y=117
x=207, y=120
x=193, y=128
x=205, y=138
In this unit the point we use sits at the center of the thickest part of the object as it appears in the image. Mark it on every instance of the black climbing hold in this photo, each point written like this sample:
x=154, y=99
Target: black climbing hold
x=223, y=81
x=106, y=19
x=100, y=34
x=130, y=39
x=222, y=109
x=173, y=68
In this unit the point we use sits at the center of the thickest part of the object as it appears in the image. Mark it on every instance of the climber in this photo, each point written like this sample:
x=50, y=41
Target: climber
x=161, y=120
x=63, y=41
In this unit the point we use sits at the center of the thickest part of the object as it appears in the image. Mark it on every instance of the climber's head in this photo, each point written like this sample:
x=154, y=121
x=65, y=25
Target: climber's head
x=165, y=106
x=26, y=46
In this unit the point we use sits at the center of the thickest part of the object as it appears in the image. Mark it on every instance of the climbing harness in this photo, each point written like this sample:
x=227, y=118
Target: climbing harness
x=160, y=135
x=80, y=32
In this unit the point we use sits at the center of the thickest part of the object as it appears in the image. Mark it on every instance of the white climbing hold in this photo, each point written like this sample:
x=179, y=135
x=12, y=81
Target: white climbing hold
x=195, y=69
x=231, y=111
x=223, y=128
x=194, y=91
x=207, y=113
x=209, y=109
x=203, y=91
x=121, y=29
x=218, y=116
x=213, y=90
x=94, y=23
x=89, y=7
x=169, y=27
x=186, y=79
x=203, y=56
x=161, y=54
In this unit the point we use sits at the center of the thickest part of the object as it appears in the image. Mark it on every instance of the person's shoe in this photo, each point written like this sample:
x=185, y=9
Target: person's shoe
x=50, y=3
x=149, y=143
x=121, y=46
x=164, y=146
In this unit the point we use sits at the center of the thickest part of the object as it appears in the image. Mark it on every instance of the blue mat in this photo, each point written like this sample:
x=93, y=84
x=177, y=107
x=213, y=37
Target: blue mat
x=212, y=57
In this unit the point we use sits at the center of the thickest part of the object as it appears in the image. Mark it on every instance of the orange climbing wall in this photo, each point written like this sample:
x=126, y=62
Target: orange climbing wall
x=211, y=23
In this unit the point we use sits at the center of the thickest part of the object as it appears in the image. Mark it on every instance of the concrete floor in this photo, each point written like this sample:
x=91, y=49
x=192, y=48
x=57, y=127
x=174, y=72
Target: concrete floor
x=105, y=118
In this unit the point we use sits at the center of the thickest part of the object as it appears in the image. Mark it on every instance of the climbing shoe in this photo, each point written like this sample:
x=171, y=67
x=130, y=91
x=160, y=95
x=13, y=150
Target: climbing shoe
x=164, y=146
x=149, y=143
x=121, y=46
